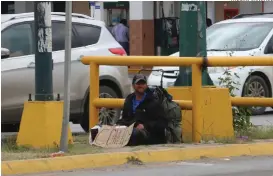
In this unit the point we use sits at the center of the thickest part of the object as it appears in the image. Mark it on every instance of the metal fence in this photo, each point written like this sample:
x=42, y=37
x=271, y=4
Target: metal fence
x=197, y=63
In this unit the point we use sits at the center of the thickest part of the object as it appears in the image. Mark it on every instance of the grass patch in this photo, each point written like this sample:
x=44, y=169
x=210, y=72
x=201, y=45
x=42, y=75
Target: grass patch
x=253, y=133
x=11, y=151
x=260, y=133
x=81, y=146
x=228, y=140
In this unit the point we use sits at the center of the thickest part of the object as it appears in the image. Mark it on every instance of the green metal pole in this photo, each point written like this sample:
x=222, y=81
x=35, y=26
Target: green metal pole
x=43, y=51
x=187, y=39
x=192, y=39
x=202, y=42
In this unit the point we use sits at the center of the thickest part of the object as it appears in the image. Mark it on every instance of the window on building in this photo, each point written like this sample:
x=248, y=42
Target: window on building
x=58, y=36
x=18, y=39
x=7, y=7
x=58, y=6
x=88, y=34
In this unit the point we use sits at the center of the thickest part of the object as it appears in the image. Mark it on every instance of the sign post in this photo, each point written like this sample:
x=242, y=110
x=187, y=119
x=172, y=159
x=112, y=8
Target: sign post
x=67, y=69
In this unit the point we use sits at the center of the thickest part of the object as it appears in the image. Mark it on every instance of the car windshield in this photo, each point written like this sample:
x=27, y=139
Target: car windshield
x=237, y=36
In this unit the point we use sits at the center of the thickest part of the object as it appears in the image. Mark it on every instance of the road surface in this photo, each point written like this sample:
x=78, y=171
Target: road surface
x=262, y=120
x=240, y=166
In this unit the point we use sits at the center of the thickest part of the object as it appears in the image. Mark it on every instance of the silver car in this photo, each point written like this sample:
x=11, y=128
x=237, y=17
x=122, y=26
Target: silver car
x=89, y=38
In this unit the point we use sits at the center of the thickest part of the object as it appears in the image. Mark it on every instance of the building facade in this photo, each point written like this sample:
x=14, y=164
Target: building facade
x=57, y=6
x=142, y=15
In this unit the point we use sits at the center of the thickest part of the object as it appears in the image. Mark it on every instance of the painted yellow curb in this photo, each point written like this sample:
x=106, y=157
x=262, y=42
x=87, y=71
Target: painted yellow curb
x=113, y=159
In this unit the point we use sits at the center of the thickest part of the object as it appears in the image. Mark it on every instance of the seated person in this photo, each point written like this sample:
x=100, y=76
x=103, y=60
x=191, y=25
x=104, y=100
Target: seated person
x=142, y=109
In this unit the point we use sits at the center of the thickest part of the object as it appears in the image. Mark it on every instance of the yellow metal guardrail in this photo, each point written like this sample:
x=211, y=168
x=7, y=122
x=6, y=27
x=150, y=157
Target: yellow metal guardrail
x=195, y=62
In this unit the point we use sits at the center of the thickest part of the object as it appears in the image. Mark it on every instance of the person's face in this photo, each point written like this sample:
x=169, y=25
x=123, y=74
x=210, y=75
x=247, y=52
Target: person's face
x=140, y=86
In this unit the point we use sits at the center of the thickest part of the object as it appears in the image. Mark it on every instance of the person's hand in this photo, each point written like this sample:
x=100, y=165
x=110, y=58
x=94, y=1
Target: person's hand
x=140, y=127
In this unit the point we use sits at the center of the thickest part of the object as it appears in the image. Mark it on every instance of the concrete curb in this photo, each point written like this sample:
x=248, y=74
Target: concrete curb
x=113, y=159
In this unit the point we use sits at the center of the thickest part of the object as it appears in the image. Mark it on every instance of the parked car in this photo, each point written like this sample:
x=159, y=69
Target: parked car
x=89, y=38
x=246, y=36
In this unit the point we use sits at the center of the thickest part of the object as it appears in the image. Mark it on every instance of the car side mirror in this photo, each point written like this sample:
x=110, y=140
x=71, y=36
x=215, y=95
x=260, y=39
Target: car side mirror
x=5, y=53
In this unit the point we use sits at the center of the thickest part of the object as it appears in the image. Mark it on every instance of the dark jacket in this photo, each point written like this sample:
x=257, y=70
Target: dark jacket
x=149, y=113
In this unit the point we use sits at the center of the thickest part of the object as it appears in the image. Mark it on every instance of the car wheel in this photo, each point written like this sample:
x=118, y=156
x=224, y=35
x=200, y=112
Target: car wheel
x=256, y=86
x=107, y=116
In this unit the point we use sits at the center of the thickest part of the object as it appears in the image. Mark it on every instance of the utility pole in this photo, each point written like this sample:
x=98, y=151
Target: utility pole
x=192, y=39
x=67, y=69
x=43, y=51
x=192, y=43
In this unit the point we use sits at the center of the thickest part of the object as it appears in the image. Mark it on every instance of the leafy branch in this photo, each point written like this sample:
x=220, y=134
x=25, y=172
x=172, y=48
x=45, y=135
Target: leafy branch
x=241, y=115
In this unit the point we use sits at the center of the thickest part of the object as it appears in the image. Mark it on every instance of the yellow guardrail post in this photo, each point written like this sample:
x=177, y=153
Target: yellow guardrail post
x=118, y=103
x=251, y=101
x=196, y=102
x=93, y=94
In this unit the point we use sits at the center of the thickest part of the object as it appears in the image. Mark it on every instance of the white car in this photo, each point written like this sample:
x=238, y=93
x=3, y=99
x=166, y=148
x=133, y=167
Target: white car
x=89, y=38
x=247, y=36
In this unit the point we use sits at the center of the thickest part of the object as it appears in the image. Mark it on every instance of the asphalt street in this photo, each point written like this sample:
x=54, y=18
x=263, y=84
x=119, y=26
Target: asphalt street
x=262, y=120
x=238, y=166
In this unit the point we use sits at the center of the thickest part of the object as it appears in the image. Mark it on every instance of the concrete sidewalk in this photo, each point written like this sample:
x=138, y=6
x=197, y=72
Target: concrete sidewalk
x=147, y=154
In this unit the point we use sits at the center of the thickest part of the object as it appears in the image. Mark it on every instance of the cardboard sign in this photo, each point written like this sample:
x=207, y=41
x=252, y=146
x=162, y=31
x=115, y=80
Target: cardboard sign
x=111, y=136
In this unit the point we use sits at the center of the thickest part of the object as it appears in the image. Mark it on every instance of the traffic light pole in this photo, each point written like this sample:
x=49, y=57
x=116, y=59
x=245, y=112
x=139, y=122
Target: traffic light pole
x=192, y=39
x=43, y=51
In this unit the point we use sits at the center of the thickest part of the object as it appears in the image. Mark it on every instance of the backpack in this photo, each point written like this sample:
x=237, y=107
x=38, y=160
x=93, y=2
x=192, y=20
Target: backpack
x=172, y=113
